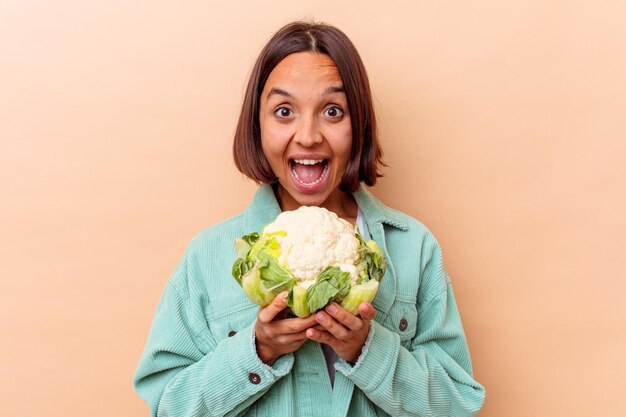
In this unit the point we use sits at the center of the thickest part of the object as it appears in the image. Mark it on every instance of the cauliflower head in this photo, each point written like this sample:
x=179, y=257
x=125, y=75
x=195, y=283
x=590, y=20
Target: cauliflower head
x=313, y=254
x=315, y=239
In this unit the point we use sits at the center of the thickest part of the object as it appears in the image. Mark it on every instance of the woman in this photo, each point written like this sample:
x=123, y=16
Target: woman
x=307, y=134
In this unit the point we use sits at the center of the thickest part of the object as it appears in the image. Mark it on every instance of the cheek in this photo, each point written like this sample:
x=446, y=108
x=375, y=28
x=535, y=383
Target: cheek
x=343, y=144
x=273, y=147
x=270, y=152
x=268, y=138
x=275, y=134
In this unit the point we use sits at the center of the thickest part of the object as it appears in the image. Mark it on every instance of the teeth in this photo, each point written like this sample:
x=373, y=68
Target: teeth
x=293, y=171
x=308, y=161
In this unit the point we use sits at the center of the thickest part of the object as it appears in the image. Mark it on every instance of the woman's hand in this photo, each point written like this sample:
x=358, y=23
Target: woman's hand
x=344, y=332
x=276, y=336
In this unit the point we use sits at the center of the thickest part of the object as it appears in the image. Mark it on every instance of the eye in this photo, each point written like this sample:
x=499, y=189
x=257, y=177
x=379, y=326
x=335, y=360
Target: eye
x=283, y=112
x=333, y=112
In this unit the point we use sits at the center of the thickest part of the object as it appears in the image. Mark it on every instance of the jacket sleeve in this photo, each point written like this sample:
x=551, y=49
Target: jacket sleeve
x=184, y=372
x=433, y=375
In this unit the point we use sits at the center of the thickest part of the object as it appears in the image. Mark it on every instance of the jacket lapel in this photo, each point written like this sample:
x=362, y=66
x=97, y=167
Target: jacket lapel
x=377, y=215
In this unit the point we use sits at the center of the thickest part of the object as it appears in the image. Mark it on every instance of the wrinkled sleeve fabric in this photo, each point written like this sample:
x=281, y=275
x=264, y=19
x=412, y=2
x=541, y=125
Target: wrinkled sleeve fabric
x=433, y=376
x=184, y=372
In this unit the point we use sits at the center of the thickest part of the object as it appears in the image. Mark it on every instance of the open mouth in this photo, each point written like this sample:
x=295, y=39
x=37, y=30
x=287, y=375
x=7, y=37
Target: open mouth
x=309, y=173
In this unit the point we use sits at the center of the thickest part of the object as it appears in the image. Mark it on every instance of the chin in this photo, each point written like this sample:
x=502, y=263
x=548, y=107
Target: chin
x=294, y=197
x=310, y=199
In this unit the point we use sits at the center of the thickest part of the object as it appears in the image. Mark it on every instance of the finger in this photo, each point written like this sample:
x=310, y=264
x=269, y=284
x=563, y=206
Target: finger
x=344, y=317
x=290, y=339
x=267, y=313
x=320, y=336
x=331, y=325
x=295, y=325
x=367, y=311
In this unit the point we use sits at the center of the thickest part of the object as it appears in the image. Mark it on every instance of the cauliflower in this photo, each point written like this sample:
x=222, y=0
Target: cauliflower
x=314, y=255
x=321, y=240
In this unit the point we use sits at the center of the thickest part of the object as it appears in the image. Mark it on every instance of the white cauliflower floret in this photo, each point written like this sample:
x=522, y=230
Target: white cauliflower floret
x=314, y=240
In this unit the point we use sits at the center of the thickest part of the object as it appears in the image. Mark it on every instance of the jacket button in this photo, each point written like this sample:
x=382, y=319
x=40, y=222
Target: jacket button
x=232, y=333
x=254, y=378
x=403, y=325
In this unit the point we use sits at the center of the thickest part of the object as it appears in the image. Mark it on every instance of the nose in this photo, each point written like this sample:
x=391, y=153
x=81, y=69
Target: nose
x=308, y=133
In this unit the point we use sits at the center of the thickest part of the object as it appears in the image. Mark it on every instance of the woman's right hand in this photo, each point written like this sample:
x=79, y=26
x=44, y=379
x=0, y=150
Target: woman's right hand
x=276, y=336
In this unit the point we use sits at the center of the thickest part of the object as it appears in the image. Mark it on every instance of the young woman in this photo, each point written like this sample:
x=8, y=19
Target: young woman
x=307, y=135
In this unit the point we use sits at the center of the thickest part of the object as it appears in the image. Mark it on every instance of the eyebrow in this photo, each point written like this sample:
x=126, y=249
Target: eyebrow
x=278, y=91
x=334, y=89
x=330, y=90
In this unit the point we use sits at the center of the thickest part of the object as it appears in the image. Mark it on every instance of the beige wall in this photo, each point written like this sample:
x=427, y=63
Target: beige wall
x=503, y=125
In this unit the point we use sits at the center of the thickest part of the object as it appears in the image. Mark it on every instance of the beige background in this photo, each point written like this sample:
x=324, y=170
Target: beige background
x=503, y=125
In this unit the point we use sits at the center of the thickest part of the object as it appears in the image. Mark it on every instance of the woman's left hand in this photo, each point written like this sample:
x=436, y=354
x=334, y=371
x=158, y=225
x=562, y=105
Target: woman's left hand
x=343, y=331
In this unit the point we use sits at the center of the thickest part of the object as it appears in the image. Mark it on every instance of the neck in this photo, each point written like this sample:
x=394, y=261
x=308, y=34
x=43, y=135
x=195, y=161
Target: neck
x=339, y=202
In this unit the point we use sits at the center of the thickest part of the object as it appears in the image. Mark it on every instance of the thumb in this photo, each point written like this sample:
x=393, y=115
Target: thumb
x=278, y=304
x=366, y=311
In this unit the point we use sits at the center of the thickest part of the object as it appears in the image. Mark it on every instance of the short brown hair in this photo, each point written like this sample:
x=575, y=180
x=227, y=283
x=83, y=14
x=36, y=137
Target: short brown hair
x=366, y=154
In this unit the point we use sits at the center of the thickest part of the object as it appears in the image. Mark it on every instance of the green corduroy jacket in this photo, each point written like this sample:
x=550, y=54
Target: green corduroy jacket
x=200, y=357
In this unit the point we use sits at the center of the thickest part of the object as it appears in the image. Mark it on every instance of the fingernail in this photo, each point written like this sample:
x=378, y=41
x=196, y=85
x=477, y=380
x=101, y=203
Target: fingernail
x=332, y=308
x=321, y=318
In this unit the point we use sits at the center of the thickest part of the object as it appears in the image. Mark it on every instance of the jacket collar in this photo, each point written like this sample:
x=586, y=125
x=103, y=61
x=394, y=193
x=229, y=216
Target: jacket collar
x=263, y=209
x=375, y=211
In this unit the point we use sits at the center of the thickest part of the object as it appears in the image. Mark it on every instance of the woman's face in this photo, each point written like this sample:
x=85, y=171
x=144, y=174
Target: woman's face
x=305, y=131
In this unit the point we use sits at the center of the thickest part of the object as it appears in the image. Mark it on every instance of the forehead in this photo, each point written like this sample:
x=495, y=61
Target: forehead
x=304, y=69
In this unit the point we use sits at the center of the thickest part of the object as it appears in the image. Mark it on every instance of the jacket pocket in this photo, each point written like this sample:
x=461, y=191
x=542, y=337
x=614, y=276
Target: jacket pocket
x=227, y=321
x=402, y=319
